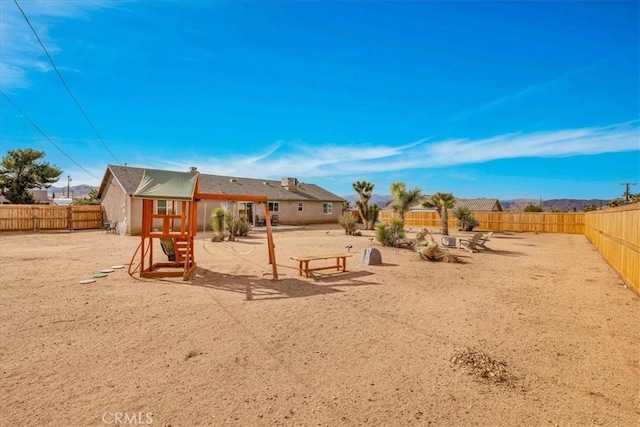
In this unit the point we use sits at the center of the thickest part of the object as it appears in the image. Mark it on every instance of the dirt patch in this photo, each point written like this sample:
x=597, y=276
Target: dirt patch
x=370, y=346
x=484, y=367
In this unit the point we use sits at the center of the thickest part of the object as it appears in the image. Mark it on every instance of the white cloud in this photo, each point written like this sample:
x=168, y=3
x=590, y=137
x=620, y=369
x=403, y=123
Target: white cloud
x=21, y=52
x=524, y=92
x=309, y=161
x=571, y=142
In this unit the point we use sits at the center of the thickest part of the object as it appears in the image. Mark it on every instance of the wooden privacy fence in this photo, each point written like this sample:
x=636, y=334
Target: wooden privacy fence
x=542, y=222
x=49, y=217
x=616, y=234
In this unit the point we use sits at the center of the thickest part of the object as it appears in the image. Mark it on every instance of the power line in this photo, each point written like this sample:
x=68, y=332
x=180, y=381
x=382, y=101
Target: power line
x=65, y=83
x=45, y=135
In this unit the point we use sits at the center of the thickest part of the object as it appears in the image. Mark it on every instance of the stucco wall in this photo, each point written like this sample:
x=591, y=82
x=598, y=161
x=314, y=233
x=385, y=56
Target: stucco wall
x=135, y=216
x=288, y=213
x=312, y=213
x=114, y=204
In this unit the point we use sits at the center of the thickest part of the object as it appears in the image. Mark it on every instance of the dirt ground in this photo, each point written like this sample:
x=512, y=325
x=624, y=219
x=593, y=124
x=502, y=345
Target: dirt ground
x=537, y=331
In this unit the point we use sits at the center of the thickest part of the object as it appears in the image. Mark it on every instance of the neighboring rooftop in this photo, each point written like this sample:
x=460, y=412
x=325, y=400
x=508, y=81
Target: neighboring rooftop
x=478, y=205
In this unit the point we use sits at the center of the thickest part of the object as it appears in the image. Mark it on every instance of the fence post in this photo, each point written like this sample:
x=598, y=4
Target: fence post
x=34, y=218
x=70, y=218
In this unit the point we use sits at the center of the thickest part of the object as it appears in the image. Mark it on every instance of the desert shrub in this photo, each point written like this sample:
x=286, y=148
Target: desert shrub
x=385, y=232
x=225, y=222
x=466, y=221
x=618, y=201
x=217, y=218
x=349, y=222
x=236, y=225
x=533, y=208
x=374, y=212
x=242, y=226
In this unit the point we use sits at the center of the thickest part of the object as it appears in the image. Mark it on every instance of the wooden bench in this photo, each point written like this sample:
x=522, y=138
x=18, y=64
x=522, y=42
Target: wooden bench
x=303, y=263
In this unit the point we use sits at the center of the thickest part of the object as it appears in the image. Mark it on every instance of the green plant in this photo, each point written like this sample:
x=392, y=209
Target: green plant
x=533, y=208
x=374, y=212
x=349, y=222
x=466, y=220
x=398, y=225
x=364, y=190
x=384, y=234
x=618, y=201
x=387, y=234
x=236, y=225
x=89, y=199
x=217, y=217
x=23, y=170
x=403, y=199
x=242, y=226
x=589, y=208
x=442, y=202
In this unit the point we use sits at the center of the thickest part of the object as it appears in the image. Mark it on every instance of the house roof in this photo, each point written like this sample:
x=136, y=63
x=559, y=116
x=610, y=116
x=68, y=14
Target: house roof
x=487, y=205
x=40, y=195
x=130, y=178
x=478, y=205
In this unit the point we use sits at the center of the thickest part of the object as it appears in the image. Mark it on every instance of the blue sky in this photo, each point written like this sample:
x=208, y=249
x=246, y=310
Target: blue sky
x=482, y=99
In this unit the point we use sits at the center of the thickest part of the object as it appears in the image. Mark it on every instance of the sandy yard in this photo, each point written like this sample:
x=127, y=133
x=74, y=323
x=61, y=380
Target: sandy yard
x=552, y=329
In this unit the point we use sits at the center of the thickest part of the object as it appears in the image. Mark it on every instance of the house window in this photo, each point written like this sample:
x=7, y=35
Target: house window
x=300, y=207
x=327, y=208
x=273, y=207
x=163, y=207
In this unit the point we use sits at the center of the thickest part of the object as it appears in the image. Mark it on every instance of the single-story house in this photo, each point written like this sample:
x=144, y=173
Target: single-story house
x=39, y=194
x=290, y=201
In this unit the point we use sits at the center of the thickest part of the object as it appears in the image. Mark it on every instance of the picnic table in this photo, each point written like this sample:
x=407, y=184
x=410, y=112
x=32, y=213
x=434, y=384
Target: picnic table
x=303, y=263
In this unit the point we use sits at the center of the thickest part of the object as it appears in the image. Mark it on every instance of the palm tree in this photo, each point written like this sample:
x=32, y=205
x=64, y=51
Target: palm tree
x=442, y=202
x=364, y=190
x=402, y=200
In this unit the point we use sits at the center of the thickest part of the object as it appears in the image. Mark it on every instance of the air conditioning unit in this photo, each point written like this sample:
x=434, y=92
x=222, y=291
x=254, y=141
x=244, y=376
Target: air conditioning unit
x=289, y=183
x=448, y=241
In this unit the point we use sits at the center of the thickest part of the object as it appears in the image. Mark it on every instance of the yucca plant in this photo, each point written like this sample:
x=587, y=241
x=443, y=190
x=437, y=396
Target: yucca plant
x=466, y=221
x=236, y=225
x=217, y=217
x=364, y=189
x=442, y=202
x=242, y=226
x=349, y=222
x=374, y=212
x=388, y=234
x=403, y=199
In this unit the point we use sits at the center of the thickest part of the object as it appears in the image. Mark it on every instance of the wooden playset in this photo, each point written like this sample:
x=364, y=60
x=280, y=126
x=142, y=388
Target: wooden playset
x=175, y=225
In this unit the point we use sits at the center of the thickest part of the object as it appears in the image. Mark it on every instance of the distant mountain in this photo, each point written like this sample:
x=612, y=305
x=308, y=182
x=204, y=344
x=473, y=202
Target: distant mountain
x=517, y=204
x=509, y=204
x=552, y=204
x=380, y=200
x=77, y=191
